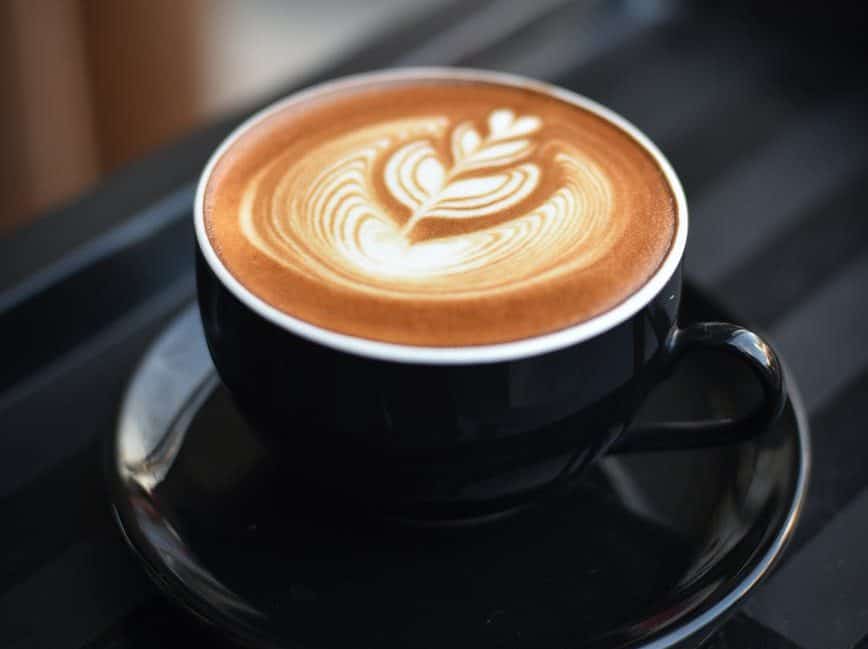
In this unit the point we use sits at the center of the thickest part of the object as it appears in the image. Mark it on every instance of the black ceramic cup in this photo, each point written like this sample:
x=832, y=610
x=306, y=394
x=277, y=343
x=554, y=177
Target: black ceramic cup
x=453, y=432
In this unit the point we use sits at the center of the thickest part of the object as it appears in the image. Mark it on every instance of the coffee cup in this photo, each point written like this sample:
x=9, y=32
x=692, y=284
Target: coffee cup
x=405, y=377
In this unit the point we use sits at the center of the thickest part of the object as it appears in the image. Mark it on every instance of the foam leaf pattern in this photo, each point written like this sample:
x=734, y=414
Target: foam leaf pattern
x=414, y=174
x=419, y=180
x=465, y=141
x=327, y=221
x=475, y=197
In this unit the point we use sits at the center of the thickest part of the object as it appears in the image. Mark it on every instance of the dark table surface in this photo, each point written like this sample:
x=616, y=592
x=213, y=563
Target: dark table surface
x=764, y=116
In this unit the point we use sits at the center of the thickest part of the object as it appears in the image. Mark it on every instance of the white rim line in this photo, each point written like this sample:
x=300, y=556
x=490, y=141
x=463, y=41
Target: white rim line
x=451, y=355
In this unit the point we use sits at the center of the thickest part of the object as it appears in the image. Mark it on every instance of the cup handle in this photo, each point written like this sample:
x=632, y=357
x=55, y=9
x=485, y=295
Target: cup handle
x=731, y=339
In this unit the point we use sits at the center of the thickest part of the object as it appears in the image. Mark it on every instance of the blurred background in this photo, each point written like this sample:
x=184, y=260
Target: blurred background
x=92, y=84
x=110, y=108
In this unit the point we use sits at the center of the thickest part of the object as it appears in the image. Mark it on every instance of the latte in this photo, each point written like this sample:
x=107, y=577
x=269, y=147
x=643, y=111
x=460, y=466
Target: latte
x=439, y=211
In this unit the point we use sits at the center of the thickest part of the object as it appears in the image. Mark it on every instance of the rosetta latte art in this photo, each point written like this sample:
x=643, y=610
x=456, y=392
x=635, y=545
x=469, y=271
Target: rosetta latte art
x=325, y=215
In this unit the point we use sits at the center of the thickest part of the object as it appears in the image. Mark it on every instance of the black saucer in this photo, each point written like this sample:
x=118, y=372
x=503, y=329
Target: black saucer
x=650, y=550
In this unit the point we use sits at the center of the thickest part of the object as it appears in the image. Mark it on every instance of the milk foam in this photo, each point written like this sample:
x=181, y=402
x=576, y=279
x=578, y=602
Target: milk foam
x=325, y=216
x=438, y=211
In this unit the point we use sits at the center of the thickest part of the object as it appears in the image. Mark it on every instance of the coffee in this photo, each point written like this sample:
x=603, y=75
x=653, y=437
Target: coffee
x=439, y=212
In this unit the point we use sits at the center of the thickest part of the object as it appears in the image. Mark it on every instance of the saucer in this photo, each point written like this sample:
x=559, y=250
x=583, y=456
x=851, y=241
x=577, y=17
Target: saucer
x=649, y=550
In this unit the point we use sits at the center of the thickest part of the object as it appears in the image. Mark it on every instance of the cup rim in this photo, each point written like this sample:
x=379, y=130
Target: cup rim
x=455, y=355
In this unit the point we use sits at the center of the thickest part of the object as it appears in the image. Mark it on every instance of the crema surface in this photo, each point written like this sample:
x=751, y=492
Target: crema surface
x=439, y=212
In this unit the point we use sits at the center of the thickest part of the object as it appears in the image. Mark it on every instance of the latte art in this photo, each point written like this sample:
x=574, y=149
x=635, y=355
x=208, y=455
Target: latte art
x=440, y=213
x=418, y=179
x=331, y=223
